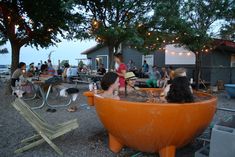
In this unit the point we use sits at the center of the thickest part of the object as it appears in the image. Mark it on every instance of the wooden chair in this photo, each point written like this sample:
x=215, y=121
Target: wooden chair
x=46, y=132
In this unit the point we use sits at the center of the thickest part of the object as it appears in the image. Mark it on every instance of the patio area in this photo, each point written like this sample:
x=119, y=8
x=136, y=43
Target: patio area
x=90, y=139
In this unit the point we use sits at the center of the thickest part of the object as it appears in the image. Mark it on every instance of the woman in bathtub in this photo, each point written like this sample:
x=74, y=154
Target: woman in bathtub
x=110, y=84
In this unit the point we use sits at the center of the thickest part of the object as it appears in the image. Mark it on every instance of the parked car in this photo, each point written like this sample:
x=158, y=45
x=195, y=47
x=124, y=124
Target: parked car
x=4, y=70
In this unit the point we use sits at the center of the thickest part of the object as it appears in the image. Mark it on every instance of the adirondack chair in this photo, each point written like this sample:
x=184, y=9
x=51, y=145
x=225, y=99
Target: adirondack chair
x=46, y=132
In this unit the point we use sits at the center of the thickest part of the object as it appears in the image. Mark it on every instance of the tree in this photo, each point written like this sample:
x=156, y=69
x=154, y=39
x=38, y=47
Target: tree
x=3, y=51
x=113, y=22
x=192, y=22
x=35, y=23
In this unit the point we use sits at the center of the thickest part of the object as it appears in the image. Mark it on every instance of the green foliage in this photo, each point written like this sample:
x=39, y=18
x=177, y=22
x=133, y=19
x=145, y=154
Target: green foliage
x=3, y=51
x=36, y=23
x=63, y=62
x=192, y=21
x=112, y=22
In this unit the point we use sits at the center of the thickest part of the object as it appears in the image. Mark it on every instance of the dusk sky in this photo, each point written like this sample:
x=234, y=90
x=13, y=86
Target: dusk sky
x=66, y=50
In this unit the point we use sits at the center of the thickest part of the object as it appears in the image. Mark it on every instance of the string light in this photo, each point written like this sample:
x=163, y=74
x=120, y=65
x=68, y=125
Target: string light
x=95, y=22
x=206, y=50
x=49, y=29
x=173, y=53
x=164, y=41
x=157, y=38
x=139, y=25
x=149, y=33
x=8, y=17
x=188, y=54
x=30, y=21
x=180, y=53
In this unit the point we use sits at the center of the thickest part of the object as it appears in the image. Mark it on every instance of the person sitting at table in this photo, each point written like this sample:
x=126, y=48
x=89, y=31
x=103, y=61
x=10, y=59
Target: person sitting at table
x=154, y=77
x=130, y=82
x=20, y=71
x=180, y=90
x=44, y=70
x=71, y=73
x=64, y=74
x=110, y=84
x=101, y=70
x=50, y=69
x=164, y=77
x=31, y=70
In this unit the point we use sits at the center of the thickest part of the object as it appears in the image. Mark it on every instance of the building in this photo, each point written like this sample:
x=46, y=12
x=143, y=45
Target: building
x=218, y=64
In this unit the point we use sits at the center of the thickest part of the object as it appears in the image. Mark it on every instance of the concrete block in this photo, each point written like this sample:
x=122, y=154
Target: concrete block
x=223, y=139
x=203, y=152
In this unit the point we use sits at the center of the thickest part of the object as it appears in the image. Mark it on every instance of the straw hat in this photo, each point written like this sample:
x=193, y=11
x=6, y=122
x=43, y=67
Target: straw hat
x=130, y=75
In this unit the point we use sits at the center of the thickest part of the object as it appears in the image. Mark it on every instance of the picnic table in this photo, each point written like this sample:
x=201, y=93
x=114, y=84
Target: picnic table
x=87, y=77
x=141, y=81
x=45, y=90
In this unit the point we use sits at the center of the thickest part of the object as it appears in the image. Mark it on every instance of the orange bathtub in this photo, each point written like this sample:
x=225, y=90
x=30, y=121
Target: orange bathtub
x=153, y=127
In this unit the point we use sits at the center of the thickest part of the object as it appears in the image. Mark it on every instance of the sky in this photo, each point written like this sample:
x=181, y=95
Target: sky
x=65, y=50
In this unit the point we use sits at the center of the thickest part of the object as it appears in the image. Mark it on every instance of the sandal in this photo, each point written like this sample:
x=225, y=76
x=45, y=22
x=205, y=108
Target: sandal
x=72, y=109
x=51, y=110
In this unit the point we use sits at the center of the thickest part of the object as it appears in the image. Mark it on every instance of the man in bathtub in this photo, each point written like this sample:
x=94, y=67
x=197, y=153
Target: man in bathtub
x=109, y=85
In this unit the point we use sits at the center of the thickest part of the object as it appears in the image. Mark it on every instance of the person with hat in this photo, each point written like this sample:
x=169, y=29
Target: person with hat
x=130, y=79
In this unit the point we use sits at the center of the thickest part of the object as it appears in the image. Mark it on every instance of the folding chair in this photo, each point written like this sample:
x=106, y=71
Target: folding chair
x=46, y=132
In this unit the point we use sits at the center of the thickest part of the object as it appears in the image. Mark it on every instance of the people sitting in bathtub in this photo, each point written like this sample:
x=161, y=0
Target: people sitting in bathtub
x=130, y=82
x=110, y=84
x=180, y=90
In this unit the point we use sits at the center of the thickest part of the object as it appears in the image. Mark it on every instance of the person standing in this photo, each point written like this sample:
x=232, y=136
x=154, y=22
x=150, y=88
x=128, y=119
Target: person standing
x=145, y=68
x=120, y=70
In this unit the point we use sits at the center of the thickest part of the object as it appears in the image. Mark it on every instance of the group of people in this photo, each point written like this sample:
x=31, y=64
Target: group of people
x=175, y=84
x=43, y=70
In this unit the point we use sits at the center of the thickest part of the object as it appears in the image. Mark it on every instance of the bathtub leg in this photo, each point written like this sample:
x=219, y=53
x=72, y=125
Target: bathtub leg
x=114, y=144
x=168, y=151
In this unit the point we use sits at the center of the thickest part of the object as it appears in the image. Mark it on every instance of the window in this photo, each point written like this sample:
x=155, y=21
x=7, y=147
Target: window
x=233, y=60
x=101, y=59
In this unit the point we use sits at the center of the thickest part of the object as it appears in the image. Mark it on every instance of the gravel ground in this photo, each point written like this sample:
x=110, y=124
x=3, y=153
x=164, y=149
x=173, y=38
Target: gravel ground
x=89, y=140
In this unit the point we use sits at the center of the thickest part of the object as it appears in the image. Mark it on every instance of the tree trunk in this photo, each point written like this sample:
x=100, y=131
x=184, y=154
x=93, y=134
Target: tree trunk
x=15, y=57
x=197, y=70
x=111, y=56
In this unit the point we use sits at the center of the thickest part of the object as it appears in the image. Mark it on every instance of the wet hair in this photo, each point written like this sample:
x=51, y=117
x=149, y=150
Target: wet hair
x=108, y=79
x=180, y=91
x=119, y=56
x=179, y=72
x=21, y=64
x=44, y=67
